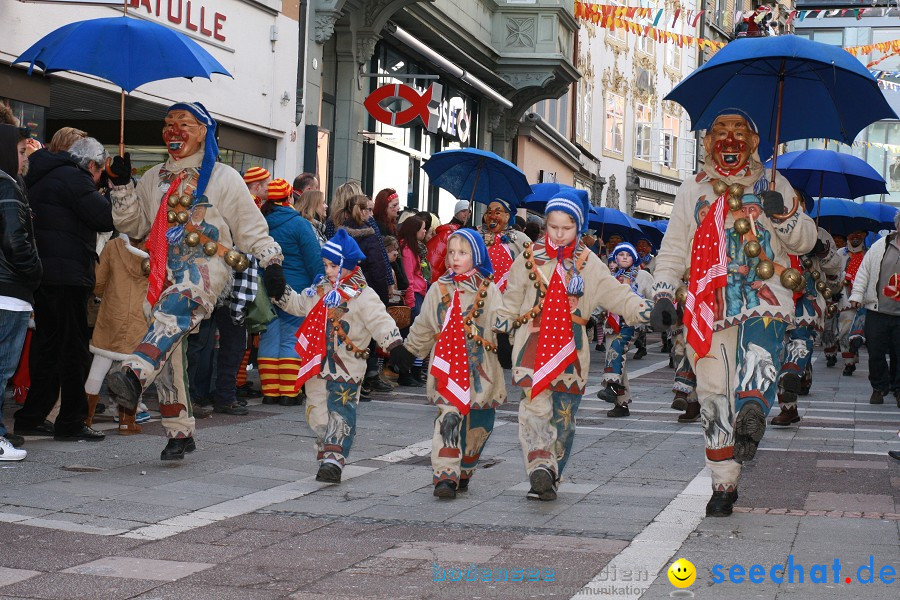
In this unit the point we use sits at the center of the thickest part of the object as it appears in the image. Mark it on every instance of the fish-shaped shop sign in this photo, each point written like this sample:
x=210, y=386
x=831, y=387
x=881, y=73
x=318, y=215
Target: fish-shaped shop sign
x=398, y=104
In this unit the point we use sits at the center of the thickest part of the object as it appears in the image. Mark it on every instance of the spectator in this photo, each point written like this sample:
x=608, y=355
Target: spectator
x=877, y=288
x=63, y=139
x=436, y=247
x=313, y=208
x=412, y=232
x=339, y=209
x=278, y=360
x=387, y=206
x=20, y=268
x=304, y=182
x=257, y=180
x=68, y=213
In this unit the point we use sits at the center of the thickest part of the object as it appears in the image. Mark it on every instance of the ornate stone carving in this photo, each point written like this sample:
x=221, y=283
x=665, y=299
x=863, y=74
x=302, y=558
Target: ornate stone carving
x=521, y=80
x=673, y=108
x=614, y=81
x=493, y=116
x=612, y=193
x=365, y=46
x=324, y=25
x=520, y=32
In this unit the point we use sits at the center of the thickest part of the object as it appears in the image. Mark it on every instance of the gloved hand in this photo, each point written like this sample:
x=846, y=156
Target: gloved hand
x=663, y=315
x=819, y=249
x=773, y=203
x=273, y=277
x=835, y=298
x=402, y=359
x=120, y=170
x=504, y=350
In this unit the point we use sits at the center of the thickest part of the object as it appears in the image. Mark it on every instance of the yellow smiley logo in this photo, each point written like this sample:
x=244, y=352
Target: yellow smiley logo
x=682, y=573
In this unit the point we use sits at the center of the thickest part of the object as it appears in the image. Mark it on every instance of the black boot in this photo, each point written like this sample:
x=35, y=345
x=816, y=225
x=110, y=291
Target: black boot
x=641, y=353
x=749, y=427
x=125, y=389
x=542, y=485
x=445, y=489
x=177, y=447
x=329, y=473
x=680, y=401
x=376, y=384
x=411, y=379
x=830, y=361
x=848, y=370
x=463, y=485
x=619, y=410
x=721, y=504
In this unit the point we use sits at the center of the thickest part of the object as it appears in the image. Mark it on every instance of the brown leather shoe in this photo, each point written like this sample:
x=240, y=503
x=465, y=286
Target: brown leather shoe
x=127, y=426
x=691, y=413
x=788, y=416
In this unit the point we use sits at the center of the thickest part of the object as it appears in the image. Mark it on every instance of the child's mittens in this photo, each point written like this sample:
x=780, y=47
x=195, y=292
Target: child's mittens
x=402, y=359
x=504, y=350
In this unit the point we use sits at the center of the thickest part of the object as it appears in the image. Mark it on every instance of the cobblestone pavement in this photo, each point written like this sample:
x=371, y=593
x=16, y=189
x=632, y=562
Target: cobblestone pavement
x=243, y=517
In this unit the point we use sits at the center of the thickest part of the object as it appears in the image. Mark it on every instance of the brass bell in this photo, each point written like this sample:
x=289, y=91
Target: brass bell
x=816, y=275
x=210, y=248
x=470, y=336
x=529, y=265
x=479, y=342
x=172, y=201
x=232, y=257
x=807, y=262
x=185, y=200
x=827, y=293
x=170, y=216
x=145, y=266
x=483, y=293
x=735, y=190
x=742, y=225
x=183, y=217
x=469, y=322
x=681, y=295
x=526, y=254
x=831, y=310
x=765, y=269
x=791, y=279
x=480, y=304
x=537, y=285
x=735, y=203
x=532, y=276
x=242, y=264
x=752, y=249
x=821, y=286
x=192, y=239
x=488, y=348
x=719, y=187
x=476, y=314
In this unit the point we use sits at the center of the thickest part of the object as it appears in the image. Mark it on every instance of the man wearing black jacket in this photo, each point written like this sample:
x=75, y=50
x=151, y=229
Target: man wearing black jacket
x=68, y=214
x=20, y=267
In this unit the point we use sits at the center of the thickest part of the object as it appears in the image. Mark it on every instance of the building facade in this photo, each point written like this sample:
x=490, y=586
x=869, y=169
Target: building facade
x=255, y=40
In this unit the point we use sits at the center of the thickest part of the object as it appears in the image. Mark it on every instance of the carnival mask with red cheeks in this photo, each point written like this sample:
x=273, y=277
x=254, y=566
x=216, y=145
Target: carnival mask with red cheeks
x=613, y=241
x=730, y=142
x=183, y=134
x=856, y=239
x=839, y=241
x=496, y=217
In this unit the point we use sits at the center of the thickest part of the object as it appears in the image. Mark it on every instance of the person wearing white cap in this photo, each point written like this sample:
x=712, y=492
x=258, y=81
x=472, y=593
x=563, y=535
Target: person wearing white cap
x=436, y=247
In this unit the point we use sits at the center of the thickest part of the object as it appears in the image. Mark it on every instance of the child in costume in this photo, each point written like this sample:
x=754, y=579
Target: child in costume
x=618, y=334
x=465, y=382
x=343, y=314
x=553, y=289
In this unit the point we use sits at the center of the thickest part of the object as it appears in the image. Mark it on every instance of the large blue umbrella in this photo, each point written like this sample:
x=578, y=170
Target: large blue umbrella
x=610, y=221
x=477, y=175
x=882, y=213
x=541, y=193
x=792, y=88
x=841, y=217
x=829, y=173
x=653, y=234
x=127, y=52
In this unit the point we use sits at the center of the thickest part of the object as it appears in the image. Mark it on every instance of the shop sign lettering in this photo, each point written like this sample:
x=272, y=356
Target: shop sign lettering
x=191, y=14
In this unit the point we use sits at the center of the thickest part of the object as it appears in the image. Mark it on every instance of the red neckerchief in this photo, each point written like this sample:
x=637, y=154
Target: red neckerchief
x=727, y=173
x=853, y=265
x=464, y=276
x=567, y=251
x=556, y=340
x=709, y=272
x=450, y=366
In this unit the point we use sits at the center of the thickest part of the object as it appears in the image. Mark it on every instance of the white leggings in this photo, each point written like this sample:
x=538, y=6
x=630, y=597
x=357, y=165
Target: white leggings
x=99, y=368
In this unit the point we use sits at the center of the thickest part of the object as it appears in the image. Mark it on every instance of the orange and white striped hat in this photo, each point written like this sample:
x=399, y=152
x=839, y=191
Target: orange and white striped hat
x=279, y=189
x=254, y=174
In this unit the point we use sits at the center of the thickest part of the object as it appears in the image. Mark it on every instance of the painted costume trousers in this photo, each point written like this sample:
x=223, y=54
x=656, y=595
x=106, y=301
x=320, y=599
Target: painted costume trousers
x=160, y=357
x=851, y=324
x=458, y=441
x=617, y=346
x=331, y=414
x=742, y=366
x=830, y=336
x=547, y=429
x=278, y=360
x=797, y=359
x=685, y=378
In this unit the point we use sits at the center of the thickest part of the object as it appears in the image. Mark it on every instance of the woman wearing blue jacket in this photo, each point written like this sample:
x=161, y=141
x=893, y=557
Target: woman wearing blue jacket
x=278, y=361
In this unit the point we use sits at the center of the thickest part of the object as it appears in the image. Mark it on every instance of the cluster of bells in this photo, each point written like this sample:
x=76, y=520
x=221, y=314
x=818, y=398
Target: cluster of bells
x=541, y=293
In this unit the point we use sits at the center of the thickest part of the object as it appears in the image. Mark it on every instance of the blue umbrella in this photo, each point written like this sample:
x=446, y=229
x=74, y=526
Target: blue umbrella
x=792, y=88
x=882, y=213
x=610, y=221
x=540, y=193
x=477, y=175
x=841, y=217
x=653, y=234
x=829, y=173
x=662, y=225
x=127, y=52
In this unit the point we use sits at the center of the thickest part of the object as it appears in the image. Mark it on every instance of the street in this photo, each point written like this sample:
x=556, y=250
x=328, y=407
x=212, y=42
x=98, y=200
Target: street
x=243, y=517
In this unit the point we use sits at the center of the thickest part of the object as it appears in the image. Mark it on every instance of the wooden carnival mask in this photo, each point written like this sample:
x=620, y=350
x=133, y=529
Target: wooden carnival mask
x=730, y=142
x=496, y=217
x=183, y=134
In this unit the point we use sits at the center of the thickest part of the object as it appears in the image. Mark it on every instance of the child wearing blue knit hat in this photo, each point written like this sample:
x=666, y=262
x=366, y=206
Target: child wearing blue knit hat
x=554, y=287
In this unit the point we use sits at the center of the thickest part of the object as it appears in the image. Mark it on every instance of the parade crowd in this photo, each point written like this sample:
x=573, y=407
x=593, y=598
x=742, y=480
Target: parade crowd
x=183, y=277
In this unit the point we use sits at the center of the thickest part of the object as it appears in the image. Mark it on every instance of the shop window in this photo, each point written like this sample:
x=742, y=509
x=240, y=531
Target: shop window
x=669, y=141
x=890, y=62
x=642, y=132
x=618, y=33
x=613, y=139
x=585, y=113
x=673, y=53
x=31, y=116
